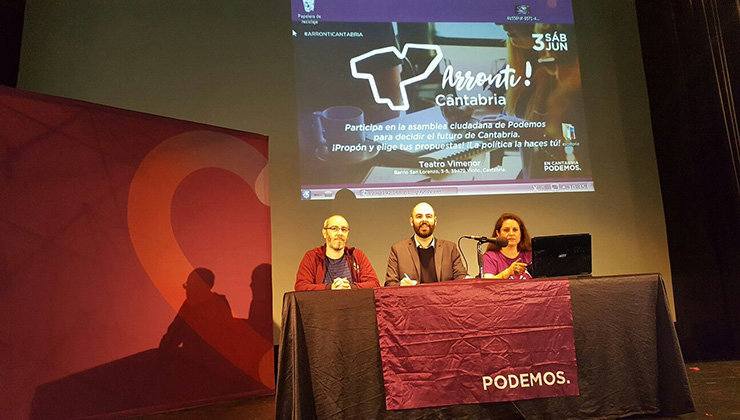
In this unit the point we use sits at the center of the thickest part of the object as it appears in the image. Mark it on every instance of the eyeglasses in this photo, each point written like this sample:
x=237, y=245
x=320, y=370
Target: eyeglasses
x=336, y=229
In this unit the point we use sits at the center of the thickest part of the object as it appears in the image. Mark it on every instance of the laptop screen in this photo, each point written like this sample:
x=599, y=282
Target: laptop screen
x=561, y=255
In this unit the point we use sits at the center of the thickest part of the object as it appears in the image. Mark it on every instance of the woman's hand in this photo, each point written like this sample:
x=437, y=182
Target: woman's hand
x=515, y=269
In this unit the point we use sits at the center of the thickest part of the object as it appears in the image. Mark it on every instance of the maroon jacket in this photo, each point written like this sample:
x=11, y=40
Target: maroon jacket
x=311, y=272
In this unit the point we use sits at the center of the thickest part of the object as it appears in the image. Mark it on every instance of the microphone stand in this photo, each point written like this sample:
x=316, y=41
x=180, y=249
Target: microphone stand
x=481, y=240
x=480, y=258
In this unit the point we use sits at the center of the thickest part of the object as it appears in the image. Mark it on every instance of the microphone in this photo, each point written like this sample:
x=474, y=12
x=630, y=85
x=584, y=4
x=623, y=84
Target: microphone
x=500, y=241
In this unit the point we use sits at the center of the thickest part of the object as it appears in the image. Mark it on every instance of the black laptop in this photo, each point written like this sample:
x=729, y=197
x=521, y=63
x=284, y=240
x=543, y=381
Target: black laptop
x=561, y=255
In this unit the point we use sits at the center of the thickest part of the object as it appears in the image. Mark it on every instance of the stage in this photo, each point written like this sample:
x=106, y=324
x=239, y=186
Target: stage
x=715, y=388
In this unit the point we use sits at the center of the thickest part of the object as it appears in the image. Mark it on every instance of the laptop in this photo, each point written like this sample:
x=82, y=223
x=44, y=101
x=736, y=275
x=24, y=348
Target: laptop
x=561, y=255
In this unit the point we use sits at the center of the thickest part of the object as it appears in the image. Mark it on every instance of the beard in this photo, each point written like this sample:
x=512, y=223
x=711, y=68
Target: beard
x=424, y=233
x=337, y=244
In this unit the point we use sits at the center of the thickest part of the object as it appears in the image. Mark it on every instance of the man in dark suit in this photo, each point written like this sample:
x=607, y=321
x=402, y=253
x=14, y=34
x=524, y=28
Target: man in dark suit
x=423, y=258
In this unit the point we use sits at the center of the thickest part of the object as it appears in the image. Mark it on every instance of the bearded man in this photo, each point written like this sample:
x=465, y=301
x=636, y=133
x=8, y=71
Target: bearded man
x=334, y=265
x=423, y=258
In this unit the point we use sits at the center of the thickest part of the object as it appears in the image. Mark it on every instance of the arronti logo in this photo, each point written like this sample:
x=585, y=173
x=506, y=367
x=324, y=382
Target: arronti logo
x=404, y=106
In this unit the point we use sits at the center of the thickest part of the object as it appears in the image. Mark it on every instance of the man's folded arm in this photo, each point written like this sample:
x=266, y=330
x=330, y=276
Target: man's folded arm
x=368, y=279
x=458, y=268
x=305, y=276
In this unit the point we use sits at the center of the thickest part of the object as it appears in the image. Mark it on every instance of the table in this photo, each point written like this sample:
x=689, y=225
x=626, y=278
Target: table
x=629, y=359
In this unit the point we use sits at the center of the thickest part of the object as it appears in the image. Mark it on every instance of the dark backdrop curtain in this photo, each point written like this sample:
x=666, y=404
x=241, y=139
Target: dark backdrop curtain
x=690, y=50
x=11, y=29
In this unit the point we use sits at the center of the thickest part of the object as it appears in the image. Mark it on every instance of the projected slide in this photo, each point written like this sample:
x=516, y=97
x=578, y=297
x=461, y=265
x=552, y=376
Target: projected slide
x=420, y=98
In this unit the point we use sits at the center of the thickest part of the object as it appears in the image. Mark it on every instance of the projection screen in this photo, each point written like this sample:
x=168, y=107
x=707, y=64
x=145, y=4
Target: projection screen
x=429, y=98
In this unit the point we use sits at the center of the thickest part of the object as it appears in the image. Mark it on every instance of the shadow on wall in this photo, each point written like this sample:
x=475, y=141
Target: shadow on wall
x=205, y=355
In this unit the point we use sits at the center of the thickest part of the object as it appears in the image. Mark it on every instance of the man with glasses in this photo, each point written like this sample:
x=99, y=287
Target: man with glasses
x=334, y=266
x=423, y=258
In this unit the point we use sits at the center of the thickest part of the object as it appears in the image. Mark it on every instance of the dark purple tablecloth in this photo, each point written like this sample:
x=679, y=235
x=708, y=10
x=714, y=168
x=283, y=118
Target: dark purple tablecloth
x=629, y=359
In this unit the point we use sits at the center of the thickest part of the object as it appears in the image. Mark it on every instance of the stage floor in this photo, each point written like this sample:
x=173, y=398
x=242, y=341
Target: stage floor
x=715, y=387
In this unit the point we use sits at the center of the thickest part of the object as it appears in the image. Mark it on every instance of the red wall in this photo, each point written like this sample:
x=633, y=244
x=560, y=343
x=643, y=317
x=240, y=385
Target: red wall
x=103, y=215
